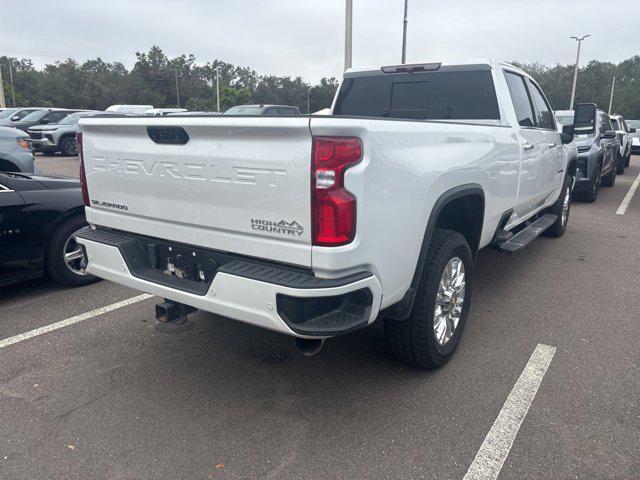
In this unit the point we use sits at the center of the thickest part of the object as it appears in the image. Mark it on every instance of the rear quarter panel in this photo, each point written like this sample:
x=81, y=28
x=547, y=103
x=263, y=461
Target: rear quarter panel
x=406, y=167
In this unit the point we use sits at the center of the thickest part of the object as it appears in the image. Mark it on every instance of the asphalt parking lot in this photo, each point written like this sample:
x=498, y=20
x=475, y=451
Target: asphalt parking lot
x=111, y=397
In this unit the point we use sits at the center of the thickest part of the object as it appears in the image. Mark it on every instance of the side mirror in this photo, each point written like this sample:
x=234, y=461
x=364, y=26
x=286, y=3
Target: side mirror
x=632, y=130
x=584, y=118
x=15, y=118
x=609, y=134
x=567, y=134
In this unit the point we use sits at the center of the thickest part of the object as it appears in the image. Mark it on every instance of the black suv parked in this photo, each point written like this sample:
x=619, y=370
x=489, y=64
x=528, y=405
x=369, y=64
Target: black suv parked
x=598, y=148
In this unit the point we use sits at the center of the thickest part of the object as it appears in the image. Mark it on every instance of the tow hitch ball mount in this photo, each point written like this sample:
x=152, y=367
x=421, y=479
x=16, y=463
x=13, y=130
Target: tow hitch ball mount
x=173, y=312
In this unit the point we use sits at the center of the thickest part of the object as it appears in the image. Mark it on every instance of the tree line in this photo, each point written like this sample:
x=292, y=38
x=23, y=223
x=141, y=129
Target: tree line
x=157, y=80
x=594, y=84
x=161, y=81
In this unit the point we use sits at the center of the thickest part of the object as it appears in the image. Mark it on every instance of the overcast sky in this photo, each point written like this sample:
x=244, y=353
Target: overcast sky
x=306, y=37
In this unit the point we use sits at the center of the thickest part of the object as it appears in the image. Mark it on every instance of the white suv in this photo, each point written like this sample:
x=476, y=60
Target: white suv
x=623, y=131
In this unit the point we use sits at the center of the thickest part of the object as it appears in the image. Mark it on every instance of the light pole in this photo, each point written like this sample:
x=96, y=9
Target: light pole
x=348, y=33
x=218, y=88
x=13, y=93
x=2, y=103
x=575, y=72
x=177, y=92
x=404, y=33
x=308, y=100
x=613, y=85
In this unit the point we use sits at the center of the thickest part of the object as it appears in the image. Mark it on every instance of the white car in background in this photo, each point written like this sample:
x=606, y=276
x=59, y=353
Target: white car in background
x=634, y=133
x=129, y=109
x=161, y=112
x=623, y=132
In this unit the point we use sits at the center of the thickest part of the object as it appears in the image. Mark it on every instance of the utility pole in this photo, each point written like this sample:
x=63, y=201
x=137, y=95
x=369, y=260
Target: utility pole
x=177, y=93
x=13, y=93
x=2, y=103
x=613, y=85
x=348, y=34
x=404, y=33
x=308, y=100
x=218, y=88
x=575, y=72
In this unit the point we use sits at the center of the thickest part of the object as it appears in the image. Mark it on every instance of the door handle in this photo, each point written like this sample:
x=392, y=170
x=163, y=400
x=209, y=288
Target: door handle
x=527, y=146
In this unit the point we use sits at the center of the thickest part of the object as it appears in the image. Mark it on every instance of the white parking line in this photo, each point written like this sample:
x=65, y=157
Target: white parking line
x=70, y=321
x=497, y=444
x=627, y=199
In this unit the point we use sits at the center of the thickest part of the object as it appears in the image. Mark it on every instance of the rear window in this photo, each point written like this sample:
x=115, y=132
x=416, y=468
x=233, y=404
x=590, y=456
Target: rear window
x=463, y=95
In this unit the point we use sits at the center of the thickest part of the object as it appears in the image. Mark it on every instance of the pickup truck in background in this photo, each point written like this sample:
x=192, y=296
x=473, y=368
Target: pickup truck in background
x=315, y=226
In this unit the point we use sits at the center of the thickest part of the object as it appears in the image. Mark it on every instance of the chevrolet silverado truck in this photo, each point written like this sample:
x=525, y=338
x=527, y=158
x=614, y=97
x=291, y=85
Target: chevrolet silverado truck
x=314, y=226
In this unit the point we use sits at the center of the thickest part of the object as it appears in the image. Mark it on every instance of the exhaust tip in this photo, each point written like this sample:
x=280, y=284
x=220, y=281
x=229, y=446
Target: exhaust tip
x=308, y=347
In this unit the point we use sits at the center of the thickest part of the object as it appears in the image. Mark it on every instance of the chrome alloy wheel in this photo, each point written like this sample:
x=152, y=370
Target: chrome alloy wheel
x=565, y=206
x=449, y=301
x=74, y=256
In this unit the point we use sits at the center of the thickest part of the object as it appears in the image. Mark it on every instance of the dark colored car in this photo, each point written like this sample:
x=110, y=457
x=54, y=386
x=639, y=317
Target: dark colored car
x=598, y=148
x=39, y=217
x=42, y=117
x=269, y=110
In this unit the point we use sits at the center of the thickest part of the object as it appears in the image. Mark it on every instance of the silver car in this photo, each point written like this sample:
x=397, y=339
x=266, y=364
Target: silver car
x=58, y=137
x=10, y=115
x=15, y=151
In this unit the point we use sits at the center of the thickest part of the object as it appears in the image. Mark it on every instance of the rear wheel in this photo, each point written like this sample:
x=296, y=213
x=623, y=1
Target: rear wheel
x=591, y=193
x=68, y=147
x=627, y=160
x=65, y=256
x=620, y=164
x=561, y=209
x=431, y=334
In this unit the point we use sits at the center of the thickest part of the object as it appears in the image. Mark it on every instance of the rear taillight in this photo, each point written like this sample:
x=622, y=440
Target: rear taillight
x=83, y=176
x=333, y=207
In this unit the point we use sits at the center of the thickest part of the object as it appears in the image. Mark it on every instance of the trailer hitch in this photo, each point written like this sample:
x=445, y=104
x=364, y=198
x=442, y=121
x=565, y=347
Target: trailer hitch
x=173, y=312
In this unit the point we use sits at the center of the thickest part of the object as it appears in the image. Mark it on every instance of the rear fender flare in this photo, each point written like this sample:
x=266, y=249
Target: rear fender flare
x=402, y=309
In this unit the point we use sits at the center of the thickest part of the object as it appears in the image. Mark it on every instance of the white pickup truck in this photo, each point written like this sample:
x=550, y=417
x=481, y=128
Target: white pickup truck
x=316, y=226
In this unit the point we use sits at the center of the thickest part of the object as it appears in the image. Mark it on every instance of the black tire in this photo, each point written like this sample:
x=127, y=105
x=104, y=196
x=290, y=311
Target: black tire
x=620, y=164
x=68, y=147
x=609, y=180
x=414, y=340
x=560, y=225
x=591, y=193
x=56, y=266
x=627, y=160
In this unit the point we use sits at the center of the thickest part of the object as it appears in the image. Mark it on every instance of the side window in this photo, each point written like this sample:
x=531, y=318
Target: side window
x=543, y=112
x=287, y=111
x=606, y=123
x=623, y=124
x=520, y=99
x=54, y=117
x=24, y=113
x=271, y=112
x=615, y=124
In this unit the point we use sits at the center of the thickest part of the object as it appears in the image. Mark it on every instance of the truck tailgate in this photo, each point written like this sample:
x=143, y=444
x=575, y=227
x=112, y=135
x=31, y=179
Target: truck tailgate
x=238, y=184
